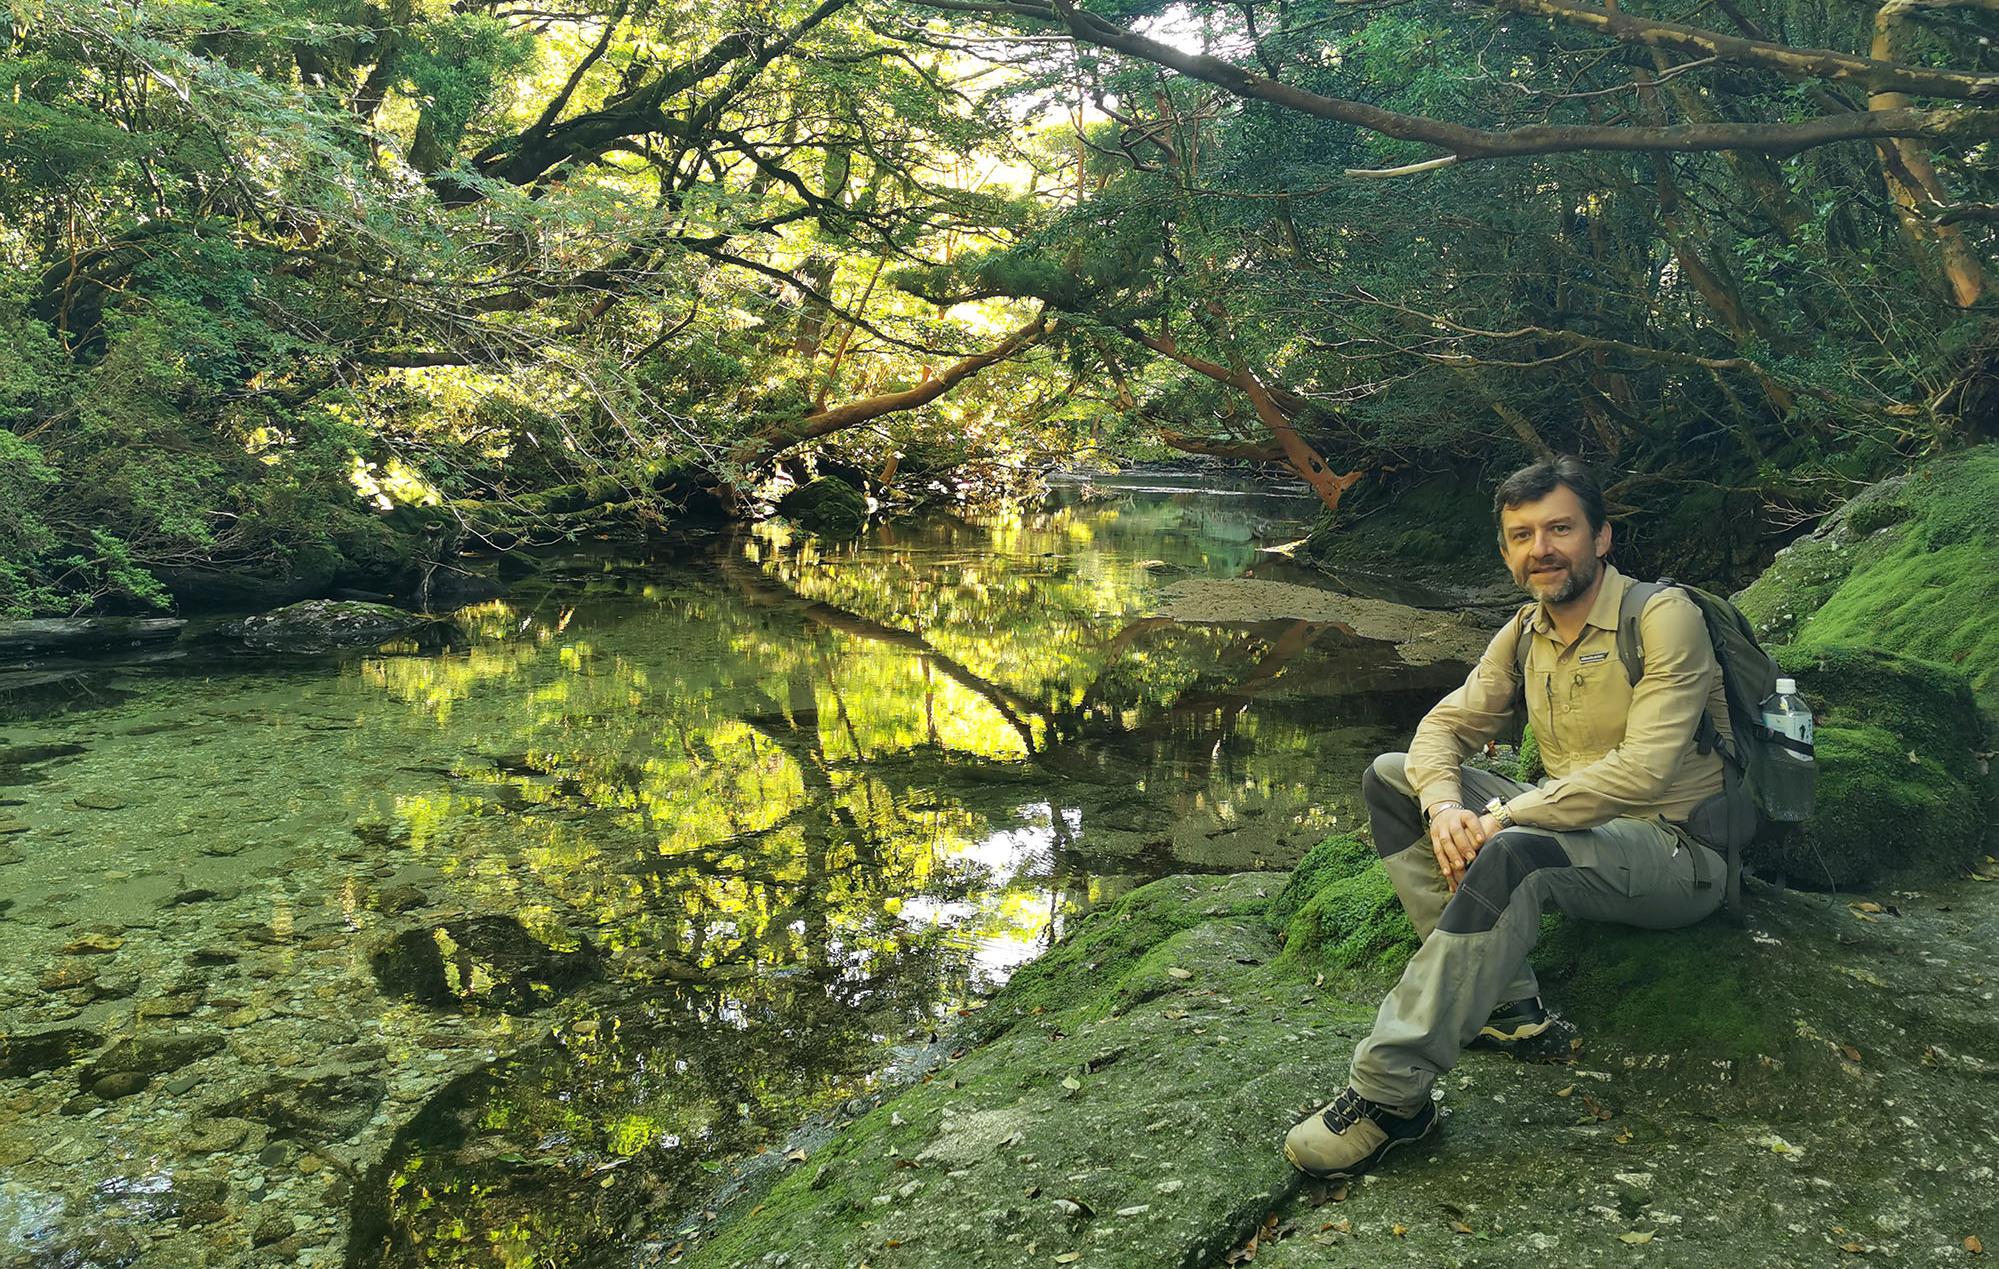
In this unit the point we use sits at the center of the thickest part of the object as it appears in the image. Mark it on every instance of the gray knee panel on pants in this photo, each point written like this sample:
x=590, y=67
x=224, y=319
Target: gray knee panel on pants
x=1501, y=867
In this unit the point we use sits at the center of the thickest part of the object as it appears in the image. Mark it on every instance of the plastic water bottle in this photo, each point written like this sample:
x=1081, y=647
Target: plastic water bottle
x=1786, y=713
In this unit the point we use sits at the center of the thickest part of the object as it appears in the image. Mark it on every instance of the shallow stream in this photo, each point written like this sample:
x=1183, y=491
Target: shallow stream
x=511, y=949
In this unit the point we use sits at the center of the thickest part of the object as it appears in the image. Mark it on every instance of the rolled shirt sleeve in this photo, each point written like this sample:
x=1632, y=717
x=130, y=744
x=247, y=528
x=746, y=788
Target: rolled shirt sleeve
x=1666, y=707
x=1463, y=721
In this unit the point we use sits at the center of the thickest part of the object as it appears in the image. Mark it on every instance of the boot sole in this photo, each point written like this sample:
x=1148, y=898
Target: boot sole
x=1355, y=1169
x=1493, y=1035
x=1549, y=1043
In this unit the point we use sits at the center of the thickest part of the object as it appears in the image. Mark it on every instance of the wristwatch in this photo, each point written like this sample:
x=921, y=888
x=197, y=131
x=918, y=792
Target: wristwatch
x=1497, y=810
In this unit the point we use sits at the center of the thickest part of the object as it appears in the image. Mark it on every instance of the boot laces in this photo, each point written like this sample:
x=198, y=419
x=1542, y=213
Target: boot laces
x=1348, y=1109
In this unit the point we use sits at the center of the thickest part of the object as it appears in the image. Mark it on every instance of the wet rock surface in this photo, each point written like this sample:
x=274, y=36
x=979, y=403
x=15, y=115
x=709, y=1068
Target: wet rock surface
x=323, y=625
x=1140, y=1126
x=73, y=635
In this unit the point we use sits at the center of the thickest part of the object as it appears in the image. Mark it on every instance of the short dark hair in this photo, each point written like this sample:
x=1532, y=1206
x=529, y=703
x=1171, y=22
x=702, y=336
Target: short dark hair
x=1537, y=480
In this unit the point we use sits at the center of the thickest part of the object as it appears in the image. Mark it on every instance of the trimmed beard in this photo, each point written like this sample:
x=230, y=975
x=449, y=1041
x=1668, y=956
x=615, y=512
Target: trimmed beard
x=1578, y=579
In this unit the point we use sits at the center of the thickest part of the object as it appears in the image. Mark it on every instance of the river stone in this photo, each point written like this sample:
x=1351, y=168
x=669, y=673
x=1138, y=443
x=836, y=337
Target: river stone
x=321, y=625
x=324, y=1104
x=396, y=900
x=153, y=1054
x=24, y=1053
x=213, y=1136
x=120, y=1084
x=271, y=1228
x=67, y=976
x=29, y=755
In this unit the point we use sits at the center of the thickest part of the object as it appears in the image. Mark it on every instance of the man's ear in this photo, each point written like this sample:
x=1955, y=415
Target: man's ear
x=1603, y=540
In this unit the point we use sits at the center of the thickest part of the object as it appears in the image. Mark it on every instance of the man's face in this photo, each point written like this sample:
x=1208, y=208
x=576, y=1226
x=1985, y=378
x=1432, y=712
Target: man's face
x=1549, y=548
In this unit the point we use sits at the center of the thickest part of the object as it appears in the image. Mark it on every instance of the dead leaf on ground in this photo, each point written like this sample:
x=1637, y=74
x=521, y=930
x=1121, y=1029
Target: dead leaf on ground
x=1635, y=1237
x=1866, y=907
x=1398, y=1229
x=1459, y=1227
x=1566, y=1092
x=1182, y=974
x=1853, y=1249
x=1068, y=1257
x=796, y=1156
x=1337, y=1227
x=1850, y=1053
x=1972, y=1245
x=1596, y=1109
x=1071, y=1083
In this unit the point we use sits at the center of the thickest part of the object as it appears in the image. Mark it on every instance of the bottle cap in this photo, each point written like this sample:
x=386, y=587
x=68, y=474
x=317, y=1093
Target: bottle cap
x=1787, y=687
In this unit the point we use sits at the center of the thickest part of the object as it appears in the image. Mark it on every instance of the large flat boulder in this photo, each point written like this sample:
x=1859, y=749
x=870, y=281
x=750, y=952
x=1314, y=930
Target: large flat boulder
x=1743, y=1096
x=74, y=636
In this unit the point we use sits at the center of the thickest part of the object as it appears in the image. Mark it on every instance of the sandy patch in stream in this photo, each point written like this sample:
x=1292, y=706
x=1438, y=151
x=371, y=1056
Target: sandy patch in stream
x=1421, y=636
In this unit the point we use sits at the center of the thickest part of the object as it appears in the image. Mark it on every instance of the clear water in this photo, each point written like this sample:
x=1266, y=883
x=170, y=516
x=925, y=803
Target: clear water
x=513, y=951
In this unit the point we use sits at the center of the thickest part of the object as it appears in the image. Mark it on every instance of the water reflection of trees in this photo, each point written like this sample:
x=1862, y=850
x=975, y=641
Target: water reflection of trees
x=785, y=797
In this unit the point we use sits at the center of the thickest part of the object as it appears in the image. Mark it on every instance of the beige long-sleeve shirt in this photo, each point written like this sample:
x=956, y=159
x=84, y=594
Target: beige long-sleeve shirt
x=1610, y=748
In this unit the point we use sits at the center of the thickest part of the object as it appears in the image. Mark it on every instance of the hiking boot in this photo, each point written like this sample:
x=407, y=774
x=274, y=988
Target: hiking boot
x=1512, y=1022
x=1351, y=1134
x=1526, y=1031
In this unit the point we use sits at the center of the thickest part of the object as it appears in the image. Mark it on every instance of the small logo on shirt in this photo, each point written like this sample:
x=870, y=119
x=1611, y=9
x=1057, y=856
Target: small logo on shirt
x=1591, y=658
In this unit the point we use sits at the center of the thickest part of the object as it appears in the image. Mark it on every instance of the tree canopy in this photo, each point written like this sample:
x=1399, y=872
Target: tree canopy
x=274, y=271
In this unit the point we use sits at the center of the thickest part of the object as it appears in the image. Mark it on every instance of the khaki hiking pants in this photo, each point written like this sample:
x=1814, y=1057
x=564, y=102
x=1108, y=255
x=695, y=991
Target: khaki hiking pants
x=1475, y=942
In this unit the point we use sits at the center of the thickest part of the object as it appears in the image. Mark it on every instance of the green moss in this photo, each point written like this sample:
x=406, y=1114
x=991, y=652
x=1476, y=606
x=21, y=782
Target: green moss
x=1530, y=768
x=1353, y=929
x=1929, y=707
x=1878, y=514
x=1898, y=781
x=1795, y=585
x=1925, y=585
x=1661, y=991
x=1882, y=807
x=828, y=507
x=1935, y=604
x=1335, y=859
x=1085, y=972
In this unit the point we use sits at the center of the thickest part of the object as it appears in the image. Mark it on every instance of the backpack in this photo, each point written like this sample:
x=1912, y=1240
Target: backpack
x=1767, y=778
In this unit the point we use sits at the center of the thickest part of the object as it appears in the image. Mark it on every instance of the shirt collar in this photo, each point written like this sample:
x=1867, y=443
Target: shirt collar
x=1602, y=611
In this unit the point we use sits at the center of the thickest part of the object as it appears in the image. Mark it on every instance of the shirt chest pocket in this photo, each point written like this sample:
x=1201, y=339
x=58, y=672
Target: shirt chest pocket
x=1593, y=697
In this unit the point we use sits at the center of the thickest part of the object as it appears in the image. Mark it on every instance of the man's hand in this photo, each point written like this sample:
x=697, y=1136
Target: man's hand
x=1455, y=837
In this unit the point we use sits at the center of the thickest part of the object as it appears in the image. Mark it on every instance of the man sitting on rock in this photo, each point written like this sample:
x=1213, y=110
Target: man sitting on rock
x=1477, y=858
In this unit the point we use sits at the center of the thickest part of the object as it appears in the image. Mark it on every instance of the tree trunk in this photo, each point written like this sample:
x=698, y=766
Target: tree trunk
x=1913, y=185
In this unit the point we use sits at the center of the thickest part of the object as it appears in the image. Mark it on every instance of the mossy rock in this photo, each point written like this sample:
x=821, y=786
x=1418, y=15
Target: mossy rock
x=1347, y=927
x=1101, y=965
x=1686, y=991
x=1911, y=564
x=1929, y=706
x=1899, y=786
x=1384, y=528
x=1337, y=858
x=827, y=507
x=1882, y=807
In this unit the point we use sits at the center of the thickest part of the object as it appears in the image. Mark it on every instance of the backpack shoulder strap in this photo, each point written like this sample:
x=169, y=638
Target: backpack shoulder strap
x=1523, y=625
x=1630, y=639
